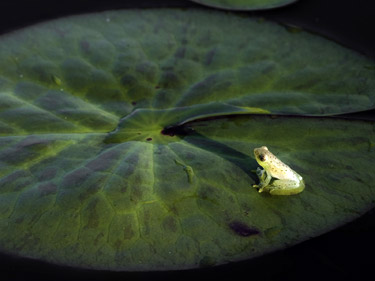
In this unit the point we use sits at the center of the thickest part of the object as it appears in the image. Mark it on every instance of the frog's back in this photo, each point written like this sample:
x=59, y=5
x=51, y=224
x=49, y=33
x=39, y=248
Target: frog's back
x=280, y=170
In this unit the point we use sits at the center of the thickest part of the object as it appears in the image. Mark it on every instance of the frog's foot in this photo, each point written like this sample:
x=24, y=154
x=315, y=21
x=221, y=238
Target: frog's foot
x=259, y=187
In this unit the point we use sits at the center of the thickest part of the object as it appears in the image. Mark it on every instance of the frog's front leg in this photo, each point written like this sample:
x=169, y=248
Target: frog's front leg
x=286, y=187
x=261, y=174
x=264, y=179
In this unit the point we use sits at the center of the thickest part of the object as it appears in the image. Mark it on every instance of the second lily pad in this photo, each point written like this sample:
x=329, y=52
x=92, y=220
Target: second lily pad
x=245, y=5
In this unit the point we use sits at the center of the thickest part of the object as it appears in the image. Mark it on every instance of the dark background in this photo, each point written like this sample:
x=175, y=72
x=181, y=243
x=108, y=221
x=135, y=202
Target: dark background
x=347, y=253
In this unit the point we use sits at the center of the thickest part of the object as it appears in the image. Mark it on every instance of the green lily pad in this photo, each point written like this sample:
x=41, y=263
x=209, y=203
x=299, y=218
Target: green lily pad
x=104, y=163
x=246, y=5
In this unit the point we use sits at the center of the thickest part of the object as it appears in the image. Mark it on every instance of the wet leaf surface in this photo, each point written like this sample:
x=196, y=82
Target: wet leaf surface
x=110, y=157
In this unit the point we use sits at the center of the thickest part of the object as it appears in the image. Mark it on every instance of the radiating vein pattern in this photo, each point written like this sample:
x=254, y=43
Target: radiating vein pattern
x=91, y=177
x=65, y=76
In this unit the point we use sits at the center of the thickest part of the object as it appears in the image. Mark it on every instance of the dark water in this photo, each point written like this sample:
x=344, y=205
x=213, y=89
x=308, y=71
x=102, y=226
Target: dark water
x=344, y=254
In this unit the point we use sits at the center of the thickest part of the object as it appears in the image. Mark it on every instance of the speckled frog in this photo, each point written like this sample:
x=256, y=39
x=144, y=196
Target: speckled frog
x=277, y=178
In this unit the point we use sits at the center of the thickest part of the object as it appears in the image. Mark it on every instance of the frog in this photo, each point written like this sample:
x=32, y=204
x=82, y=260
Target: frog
x=276, y=177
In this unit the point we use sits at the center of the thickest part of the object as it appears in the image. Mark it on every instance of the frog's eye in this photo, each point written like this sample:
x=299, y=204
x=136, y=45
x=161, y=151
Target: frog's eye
x=262, y=157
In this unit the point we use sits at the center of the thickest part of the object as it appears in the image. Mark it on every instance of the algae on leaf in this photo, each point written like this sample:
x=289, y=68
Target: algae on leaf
x=245, y=5
x=104, y=163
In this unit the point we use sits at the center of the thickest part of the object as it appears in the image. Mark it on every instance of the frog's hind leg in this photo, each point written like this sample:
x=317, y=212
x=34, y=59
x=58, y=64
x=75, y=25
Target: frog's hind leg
x=286, y=187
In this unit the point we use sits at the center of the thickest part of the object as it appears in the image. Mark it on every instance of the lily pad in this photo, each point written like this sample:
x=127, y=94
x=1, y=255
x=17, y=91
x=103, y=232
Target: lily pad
x=104, y=163
x=246, y=5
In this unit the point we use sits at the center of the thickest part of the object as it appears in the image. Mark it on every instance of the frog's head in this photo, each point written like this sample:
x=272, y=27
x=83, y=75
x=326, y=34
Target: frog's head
x=261, y=155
